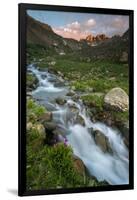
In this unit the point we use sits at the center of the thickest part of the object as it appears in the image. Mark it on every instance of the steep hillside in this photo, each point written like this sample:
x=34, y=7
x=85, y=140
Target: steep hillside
x=93, y=47
x=42, y=34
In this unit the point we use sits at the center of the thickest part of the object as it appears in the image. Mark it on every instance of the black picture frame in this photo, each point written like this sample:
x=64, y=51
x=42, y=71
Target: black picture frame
x=22, y=98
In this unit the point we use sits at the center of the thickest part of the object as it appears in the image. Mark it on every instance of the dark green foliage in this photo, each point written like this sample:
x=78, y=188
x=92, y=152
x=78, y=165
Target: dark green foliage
x=94, y=101
x=120, y=117
x=51, y=167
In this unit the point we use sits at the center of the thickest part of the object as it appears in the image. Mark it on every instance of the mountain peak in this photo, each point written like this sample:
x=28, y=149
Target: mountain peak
x=99, y=37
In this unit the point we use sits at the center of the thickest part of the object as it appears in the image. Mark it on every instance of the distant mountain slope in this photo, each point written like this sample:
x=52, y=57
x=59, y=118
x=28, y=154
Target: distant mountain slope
x=115, y=48
x=40, y=33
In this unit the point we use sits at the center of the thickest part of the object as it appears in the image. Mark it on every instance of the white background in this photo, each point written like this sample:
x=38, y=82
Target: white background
x=9, y=99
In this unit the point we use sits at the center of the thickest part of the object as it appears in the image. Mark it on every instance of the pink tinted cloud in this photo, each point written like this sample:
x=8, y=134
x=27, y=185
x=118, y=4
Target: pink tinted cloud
x=76, y=30
x=70, y=33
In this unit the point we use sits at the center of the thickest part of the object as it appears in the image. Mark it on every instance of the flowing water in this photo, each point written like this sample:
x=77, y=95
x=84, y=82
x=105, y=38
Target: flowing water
x=112, y=167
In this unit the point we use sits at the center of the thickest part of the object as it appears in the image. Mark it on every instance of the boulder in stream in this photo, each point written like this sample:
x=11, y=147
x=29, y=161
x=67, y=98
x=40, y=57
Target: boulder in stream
x=32, y=82
x=117, y=100
x=51, y=126
x=79, y=165
x=46, y=117
x=71, y=93
x=80, y=120
x=102, y=141
x=61, y=101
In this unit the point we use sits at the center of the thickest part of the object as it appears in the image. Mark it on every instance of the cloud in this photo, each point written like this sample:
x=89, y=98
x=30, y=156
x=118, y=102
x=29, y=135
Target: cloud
x=69, y=33
x=75, y=29
x=74, y=25
x=90, y=23
x=109, y=25
x=118, y=22
x=116, y=26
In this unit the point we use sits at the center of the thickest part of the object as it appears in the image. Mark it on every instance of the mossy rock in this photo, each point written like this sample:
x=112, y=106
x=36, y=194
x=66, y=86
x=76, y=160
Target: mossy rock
x=32, y=81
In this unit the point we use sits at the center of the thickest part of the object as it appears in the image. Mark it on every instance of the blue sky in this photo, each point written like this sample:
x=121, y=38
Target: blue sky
x=79, y=25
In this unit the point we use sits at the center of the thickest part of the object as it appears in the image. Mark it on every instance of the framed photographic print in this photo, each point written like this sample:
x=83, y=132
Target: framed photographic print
x=75, y=99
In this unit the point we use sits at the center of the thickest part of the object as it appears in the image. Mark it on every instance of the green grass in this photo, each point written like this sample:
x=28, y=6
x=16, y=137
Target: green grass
x=53, y=167
x=101, y=75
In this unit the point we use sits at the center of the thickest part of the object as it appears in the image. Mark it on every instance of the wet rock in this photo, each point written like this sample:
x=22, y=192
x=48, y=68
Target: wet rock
x=79, y=165
x=32, y=81
x=61, y=79
x=58, y=84
x=126, y=142
x=89, y=113
x=52, y=79
x=46, y=117
x=60, y=101
x=73, y=108
x=124, y=128
x=49, y=126
x=102, y=141
x=79, y=120
x=59, y=131
x=43, y=76
x=91, y=131
x=117, y=100
x=75, y=97
x=71, y=93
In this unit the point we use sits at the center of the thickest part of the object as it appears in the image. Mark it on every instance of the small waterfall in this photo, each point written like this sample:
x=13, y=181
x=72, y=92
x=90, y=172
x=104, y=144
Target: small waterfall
x=112, y=167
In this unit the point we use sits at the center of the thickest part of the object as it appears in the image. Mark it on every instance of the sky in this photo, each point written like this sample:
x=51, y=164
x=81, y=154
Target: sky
x=79, y=25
